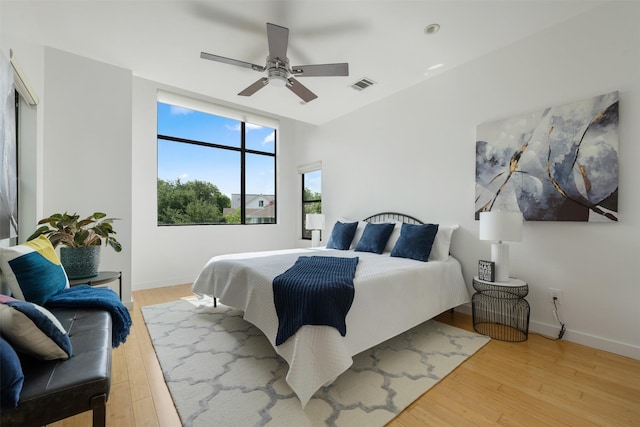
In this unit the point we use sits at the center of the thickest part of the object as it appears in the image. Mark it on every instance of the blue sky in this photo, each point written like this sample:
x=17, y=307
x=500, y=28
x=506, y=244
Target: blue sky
x=313, y=181
x=218, y=166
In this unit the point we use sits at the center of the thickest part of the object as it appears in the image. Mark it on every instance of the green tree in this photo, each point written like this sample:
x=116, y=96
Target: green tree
x=311, y=206
x=191, y=202
x=233, y=217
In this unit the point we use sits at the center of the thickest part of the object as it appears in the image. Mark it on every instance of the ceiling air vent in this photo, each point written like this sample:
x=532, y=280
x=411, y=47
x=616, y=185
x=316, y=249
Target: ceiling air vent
x=363, y=83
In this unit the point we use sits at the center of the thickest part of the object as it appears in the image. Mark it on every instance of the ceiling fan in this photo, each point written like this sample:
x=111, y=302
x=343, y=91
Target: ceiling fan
x=279, y=72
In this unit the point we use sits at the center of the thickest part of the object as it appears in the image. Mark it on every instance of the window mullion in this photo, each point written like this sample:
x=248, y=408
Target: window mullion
x=243, y=196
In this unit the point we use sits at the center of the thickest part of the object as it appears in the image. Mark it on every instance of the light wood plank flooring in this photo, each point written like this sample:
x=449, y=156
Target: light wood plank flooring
x=539, y=382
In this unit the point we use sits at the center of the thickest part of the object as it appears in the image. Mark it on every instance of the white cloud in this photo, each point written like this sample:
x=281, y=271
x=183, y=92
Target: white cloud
x=248, y=127
x=179, y=111
x=269, y=138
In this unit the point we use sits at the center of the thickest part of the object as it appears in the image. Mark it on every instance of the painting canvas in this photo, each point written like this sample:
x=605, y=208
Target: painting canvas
x=8, y=153
x=556, y=164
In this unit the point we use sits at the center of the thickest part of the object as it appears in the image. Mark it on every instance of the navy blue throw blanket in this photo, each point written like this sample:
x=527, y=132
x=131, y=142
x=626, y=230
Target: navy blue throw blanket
x=90, y=297
x=316, y=290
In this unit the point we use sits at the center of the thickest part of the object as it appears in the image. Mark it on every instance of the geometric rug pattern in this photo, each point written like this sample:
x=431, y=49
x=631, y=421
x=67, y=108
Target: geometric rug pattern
x=222, y=371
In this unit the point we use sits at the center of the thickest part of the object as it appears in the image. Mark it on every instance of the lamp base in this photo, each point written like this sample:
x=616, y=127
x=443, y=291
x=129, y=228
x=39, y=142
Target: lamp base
x=500, y=255
x=315, y=238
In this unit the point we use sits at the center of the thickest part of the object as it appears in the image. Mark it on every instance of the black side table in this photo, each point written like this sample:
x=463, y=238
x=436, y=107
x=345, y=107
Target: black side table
x=500, y=310
x=102, y=278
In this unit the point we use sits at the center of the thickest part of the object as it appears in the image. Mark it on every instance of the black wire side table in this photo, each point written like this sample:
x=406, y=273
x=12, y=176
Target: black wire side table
x=500, y=309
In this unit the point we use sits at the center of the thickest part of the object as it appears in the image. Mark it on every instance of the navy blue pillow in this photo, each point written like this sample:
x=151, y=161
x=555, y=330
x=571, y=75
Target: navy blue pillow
x=11, y=376
x=342, y=235
x=415, y=241
x=375, y=237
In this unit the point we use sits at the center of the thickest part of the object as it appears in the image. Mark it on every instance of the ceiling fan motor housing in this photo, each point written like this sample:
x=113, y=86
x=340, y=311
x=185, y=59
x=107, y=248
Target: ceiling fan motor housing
x=277, y=72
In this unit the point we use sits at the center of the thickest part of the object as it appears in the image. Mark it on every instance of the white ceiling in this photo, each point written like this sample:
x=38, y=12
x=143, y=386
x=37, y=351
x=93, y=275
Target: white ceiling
x=381, y=40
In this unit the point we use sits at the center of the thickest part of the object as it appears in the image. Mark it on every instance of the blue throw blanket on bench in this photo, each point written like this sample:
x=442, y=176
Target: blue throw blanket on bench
x=316, y=290
x=90, y=297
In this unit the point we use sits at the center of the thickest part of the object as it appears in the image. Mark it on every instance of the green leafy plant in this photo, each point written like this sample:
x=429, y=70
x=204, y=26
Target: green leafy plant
x=70, y=230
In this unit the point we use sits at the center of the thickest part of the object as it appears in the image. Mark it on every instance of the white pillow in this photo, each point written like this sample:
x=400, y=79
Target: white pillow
x=395, y=235
x=440, y=248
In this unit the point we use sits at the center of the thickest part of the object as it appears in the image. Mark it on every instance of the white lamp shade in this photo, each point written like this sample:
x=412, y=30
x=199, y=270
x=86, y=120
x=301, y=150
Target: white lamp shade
x=314, y=222
x=501, y=226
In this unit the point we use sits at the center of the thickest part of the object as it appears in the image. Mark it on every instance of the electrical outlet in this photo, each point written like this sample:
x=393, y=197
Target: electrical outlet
x=557, y=294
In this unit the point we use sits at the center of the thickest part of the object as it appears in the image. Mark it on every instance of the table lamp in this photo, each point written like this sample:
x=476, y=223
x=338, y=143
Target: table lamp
x=315, y=223
x=499, y=227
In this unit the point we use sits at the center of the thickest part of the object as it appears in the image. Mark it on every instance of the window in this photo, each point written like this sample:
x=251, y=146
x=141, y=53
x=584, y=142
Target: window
x=311, y=197
x=213, y=169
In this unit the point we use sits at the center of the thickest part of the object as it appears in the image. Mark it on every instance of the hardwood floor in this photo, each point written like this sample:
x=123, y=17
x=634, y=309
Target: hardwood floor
x=534, y=383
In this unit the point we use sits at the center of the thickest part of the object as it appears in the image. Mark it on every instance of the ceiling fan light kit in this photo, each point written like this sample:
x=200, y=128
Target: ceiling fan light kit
x=279, y=73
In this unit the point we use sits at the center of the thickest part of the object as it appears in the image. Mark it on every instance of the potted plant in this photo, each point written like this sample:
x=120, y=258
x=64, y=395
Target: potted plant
x=80, y=240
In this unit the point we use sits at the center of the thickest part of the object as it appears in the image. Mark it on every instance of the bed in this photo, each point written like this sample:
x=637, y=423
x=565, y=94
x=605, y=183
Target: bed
x=392, y=295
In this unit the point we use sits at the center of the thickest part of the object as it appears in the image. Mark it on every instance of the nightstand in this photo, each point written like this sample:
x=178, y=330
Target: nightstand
x=102, y=278
x=500, y=310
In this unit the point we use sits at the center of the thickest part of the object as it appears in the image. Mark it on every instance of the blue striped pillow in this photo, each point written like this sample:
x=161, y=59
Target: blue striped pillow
x=342, y=235
x=33, y=330
x=375, y=237
x=415, y=241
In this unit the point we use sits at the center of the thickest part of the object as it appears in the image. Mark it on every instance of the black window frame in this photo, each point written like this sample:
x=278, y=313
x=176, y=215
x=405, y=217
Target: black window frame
x=306, y=234
x=243, y=152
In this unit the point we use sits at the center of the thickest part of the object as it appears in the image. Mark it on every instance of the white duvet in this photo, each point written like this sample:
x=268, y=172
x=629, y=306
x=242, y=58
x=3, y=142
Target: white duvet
x=392, y=295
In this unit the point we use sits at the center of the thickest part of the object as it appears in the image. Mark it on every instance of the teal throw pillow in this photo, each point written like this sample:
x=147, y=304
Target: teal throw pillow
x=33, y=270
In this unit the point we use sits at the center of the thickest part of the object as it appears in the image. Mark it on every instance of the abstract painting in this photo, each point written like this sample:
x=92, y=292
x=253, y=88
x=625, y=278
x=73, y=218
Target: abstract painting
x=8, y=153
x=556, y=164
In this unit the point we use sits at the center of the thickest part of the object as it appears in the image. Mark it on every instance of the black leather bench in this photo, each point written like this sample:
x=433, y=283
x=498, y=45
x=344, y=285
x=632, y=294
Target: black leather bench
x=57, y=389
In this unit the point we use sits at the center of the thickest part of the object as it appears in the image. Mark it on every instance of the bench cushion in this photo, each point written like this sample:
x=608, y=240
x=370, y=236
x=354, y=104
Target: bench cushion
x=57, y=389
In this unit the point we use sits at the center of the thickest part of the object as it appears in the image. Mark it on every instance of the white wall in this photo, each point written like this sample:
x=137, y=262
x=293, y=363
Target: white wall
x=87, y=146
x=176, y=254
x=415, y=153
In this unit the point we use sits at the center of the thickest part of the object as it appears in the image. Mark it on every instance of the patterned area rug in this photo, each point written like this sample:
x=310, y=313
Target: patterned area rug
x=222, y=371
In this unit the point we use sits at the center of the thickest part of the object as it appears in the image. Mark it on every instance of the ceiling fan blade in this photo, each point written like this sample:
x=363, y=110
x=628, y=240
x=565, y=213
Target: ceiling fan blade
x=278, y=41
x=300, y=90
x=255, y=87
x=341, y=69
x=230, y=61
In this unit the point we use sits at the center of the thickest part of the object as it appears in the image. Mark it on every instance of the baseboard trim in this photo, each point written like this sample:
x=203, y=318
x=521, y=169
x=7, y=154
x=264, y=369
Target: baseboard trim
x=593, y=341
